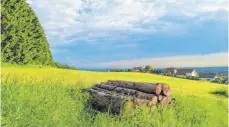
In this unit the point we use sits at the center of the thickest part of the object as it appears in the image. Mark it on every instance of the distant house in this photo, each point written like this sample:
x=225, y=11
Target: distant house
x=208, y=76
x=226, y=81
x=170, y=71
x=186, y=72
x=138, y=69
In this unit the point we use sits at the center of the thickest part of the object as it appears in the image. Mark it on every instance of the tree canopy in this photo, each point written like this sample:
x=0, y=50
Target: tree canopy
x=23, y=40
x=148, y=68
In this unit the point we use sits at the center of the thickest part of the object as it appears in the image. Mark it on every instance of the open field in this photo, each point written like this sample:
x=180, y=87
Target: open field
x=44, y=96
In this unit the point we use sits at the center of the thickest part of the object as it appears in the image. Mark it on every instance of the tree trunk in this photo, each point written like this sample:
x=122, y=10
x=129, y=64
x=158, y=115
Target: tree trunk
x=152, y=88
x=102, y=90
x=119, y=83
x=143, y=95
x=140, y=102
x=125, y=91
x=107, y=87
x=105, y=102
x=165, y=100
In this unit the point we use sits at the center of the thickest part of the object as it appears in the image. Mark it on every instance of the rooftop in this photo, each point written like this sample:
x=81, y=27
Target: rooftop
x=184, y=71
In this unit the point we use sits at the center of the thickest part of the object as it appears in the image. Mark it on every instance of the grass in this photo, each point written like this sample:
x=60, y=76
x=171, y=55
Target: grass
x=44, y=96
x=221, y=92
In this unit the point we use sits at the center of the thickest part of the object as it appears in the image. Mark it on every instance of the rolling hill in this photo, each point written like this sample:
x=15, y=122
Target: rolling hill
x=45, y=96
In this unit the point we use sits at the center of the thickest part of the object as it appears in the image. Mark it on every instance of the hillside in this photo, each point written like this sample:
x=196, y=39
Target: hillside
x=44, y=96
x=23, y=40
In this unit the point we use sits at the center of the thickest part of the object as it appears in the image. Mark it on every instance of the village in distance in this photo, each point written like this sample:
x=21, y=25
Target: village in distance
x=214, y=75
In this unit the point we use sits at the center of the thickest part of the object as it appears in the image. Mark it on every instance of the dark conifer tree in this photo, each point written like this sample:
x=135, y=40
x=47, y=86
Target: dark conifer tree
x=23, y=40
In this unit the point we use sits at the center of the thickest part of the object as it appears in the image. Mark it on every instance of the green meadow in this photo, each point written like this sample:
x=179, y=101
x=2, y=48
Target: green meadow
x=36, y=96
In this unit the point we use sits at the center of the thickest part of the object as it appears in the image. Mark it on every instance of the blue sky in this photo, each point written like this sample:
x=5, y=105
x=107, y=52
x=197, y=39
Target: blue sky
x=123, y=34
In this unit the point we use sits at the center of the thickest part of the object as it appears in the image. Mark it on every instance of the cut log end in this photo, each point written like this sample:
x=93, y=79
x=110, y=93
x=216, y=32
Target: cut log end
x=166, y=90
x=158, y=89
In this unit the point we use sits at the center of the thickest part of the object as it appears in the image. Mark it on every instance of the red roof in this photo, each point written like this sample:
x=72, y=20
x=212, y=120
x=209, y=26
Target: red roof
x=184, y=71
x=169, y=69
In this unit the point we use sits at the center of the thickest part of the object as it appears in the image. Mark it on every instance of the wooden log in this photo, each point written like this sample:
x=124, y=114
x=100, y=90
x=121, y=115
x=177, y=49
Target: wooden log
x=125, y=91
x=119, y=83
x=105, y=102
x=153, y=101
x=135, y=93
x=102, y=90
x=107, y=87
x=165, y=100
x=113, y=95
x=140, y=102
x=152, y=88
x=165, y=90
x=143, y=95
x=94, y=91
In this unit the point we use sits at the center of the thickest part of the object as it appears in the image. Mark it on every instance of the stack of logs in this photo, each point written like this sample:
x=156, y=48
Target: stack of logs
x=113, y=95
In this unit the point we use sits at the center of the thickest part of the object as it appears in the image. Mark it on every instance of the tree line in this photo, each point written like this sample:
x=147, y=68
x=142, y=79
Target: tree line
x=146, y=69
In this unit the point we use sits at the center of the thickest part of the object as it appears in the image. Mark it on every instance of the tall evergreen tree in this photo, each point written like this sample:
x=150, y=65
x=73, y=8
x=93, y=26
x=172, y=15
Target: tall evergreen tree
x=23, y=40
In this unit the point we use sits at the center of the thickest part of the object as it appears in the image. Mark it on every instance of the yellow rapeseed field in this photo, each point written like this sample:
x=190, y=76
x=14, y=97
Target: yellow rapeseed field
x=25, y=89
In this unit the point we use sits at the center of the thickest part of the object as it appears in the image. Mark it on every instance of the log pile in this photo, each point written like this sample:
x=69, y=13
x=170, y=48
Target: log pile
x=113, y=95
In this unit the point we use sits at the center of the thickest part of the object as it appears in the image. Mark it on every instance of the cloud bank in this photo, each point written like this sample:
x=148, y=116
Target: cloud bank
x=82, y=32
x=64, y=19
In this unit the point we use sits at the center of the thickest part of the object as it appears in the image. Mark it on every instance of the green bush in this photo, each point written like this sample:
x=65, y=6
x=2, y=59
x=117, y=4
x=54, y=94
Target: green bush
x=192, y=78
x=221, y=92
x=220, y=80
x=64, y=66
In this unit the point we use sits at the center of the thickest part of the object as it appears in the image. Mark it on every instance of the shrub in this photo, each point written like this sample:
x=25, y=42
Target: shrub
x=221, y=92
x=64, y=66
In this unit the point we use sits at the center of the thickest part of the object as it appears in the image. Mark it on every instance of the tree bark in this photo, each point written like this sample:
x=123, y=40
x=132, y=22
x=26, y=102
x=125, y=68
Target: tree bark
x=107, y=87
x=140, y=102
x=165, y=100
x=152, y=88
x=125, y=91
x=105, y=102
x=143, y=95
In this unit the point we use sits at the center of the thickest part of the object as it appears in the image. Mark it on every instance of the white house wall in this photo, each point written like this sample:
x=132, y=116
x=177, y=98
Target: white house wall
x=194, y=73
x=189, y=74
x=180, y=76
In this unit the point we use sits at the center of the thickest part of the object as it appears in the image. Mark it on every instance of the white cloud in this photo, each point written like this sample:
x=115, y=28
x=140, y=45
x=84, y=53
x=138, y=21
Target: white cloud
x=214, y=59
x=62, y=18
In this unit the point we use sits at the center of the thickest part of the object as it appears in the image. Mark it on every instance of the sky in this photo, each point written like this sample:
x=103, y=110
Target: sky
x=129, y=33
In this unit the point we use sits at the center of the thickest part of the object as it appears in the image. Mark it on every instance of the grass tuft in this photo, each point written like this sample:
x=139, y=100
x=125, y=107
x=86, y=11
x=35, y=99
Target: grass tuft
x=221, y=92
